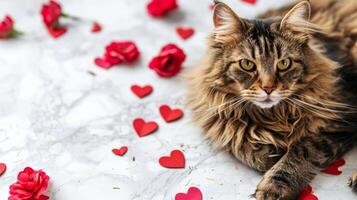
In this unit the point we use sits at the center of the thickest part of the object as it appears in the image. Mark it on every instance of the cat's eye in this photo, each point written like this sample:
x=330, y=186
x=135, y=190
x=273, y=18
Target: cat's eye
x=247, y=65
x=284, y=64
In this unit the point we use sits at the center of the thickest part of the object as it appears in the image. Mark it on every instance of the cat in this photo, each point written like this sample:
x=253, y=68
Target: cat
x=280, y=92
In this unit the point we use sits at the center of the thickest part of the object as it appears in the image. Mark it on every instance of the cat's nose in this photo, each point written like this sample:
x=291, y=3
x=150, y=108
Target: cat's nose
x=268, y=90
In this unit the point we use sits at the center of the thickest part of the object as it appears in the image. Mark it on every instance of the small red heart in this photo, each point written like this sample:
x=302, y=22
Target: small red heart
x=2, y=168
x=333, y=168
x=143, y=128
x=185, y=33
x=193, y=193
x=307, y=194
x=121, y=151
x=175, y=160
x=170, y=115
x=141, y=91
x=250, y=1
x=96, y=27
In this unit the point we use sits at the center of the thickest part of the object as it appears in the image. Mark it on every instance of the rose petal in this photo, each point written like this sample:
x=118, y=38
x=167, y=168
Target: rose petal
x=57, y=32
x=158, y=8
x=250, y=1
x=103, y=63
x=51, y=13
x=96, y=27
x=43, y=197
x=23, y=177
x=31, y=186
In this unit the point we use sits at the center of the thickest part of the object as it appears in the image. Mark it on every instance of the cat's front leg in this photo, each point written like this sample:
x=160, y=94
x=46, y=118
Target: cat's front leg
x=259, y=156
x=294, y=171
x=285, y=180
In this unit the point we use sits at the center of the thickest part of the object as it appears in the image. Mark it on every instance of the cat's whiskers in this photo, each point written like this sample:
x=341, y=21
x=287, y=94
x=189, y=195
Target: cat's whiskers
x=219, y=106
x=297, y=104
x=231, y=106
x=319, y=107
x=330, y=103
x=321, y=111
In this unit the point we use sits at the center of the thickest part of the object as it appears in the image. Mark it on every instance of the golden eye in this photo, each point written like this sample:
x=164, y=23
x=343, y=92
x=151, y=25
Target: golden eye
x=284, y=64
x=247, y=65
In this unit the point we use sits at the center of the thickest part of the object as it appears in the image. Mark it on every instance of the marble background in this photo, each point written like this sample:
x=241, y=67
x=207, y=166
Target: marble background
x=56, y=116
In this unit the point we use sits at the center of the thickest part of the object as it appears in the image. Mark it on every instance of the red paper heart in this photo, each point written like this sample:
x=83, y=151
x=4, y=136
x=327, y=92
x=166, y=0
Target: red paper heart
x=141, y=91
x=250, y=1
x=121, y=151
x=185, y=33
x=96, y=27
x=307, y=194
x=143, y=128
x=175, y=160
x=333, y=168
x=2, y=168
x=170, y=115
x=193, y=193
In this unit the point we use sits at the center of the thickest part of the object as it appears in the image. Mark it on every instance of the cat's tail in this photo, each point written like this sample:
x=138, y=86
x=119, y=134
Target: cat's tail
x=353, y=182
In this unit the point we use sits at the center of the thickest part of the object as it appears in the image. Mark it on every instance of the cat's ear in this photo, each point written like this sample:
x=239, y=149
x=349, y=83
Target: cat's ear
x=226, y=21
x=297, y=19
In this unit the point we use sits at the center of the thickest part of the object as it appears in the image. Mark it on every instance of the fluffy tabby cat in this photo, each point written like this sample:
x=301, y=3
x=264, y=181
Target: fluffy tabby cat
x=280, y=93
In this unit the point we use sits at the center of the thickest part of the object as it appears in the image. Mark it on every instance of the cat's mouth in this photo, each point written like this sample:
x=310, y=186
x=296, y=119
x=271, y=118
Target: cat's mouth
x=266, y=102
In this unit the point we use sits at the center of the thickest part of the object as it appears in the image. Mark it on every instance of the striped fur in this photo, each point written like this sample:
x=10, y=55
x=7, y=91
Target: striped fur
x=315, y=120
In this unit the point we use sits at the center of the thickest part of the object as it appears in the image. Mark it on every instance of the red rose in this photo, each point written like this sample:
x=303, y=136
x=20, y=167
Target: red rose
x=157, y=8
x=7, y=29
x=51, y=13
x=118, y=52
x=169, y=62
x=6, y=26
x=30, y=185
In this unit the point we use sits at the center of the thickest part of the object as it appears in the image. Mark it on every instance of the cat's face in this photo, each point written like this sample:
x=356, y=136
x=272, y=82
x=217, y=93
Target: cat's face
x=260, y=61
x=263, y=66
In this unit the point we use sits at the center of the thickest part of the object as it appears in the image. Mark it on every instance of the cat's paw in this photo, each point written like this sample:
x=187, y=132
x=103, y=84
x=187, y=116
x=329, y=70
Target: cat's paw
x=269, y=189
x=353, y=182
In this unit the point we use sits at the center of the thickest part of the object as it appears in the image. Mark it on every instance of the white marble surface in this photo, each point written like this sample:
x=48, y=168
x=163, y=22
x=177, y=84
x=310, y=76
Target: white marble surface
x=56, y=117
